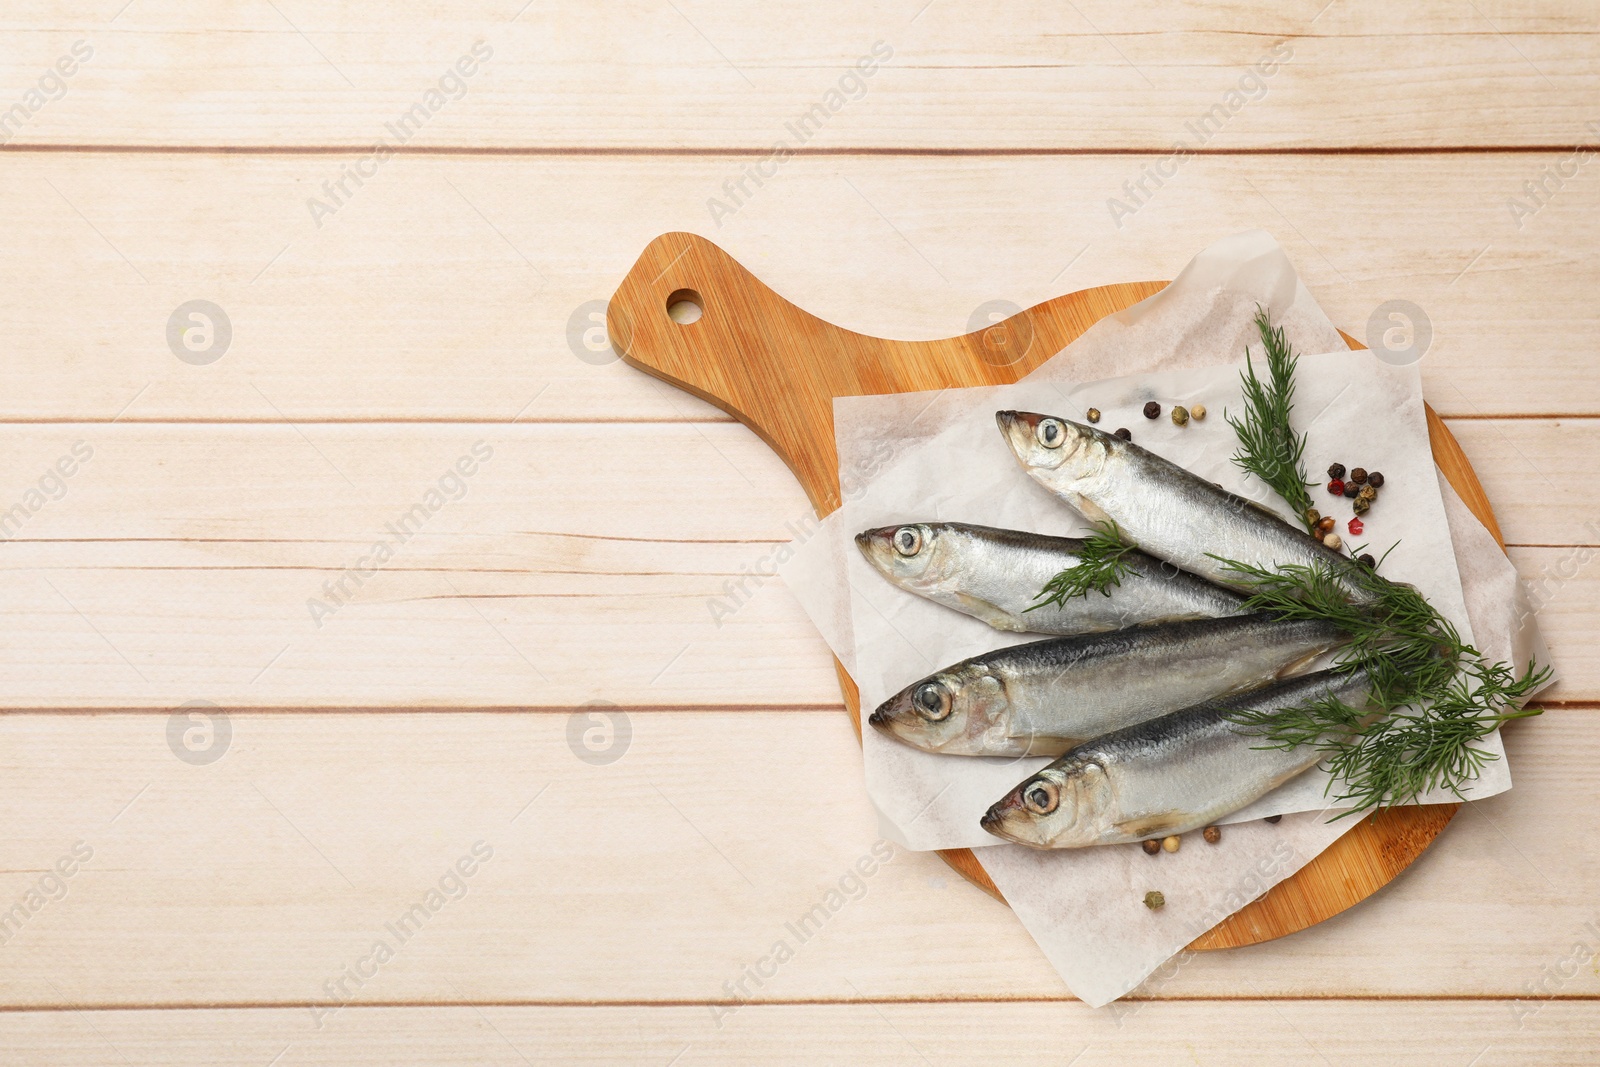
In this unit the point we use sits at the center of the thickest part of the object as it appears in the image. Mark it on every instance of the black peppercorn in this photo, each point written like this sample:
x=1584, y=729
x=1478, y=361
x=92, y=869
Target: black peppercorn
x=1125, y=434
x=1151, y=847
x=1273, y=818
x=1152, y=410
x=1336, y=470
x=1375, y=479
x=1366, y=558
x=1358, y=475
x=1351, y=489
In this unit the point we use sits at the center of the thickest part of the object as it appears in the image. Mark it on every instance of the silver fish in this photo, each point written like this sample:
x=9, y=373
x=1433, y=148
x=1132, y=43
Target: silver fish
x=1165, y=776
x=1164, y=509
x=995, y=575
x=1043, y=697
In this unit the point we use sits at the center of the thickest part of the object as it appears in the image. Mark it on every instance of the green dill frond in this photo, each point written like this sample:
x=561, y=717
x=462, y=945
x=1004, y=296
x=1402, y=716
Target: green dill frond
x=1102, y=563
x=1433, y=700
x=1269, y=448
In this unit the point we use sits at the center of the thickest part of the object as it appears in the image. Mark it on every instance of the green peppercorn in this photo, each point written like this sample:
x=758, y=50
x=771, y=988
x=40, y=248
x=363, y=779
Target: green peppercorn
x=1125, y=434
x=1375, y=479
x=1313, y=516
x=1336, y=471
x=1154, y=900
x=1367, y=493
x=1152, y=410
x=1361, y=505
x=1359, y=475
x=1180, y=415
x=1151, y=847
x=1094, y=414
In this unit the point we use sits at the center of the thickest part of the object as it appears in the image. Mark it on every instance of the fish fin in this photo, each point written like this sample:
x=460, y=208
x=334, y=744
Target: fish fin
x=1159, y=824
x=1088, y=509
x=1048, y=746
x=1289, y=670
x=984, y=611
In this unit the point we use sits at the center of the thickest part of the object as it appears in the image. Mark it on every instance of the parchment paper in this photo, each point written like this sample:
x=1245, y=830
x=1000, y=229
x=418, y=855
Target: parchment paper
x=939, y=456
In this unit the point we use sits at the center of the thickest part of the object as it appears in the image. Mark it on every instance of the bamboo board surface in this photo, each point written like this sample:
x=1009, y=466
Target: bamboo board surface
x=777, y=369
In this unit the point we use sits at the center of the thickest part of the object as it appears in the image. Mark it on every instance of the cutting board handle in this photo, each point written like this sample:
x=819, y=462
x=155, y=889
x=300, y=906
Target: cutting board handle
x=776, y=368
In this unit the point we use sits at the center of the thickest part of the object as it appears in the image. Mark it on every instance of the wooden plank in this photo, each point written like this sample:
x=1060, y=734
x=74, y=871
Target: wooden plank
x=462, y=288
x=612, y=561
x=260, y=877
x=697, y=74
x=1407, y=1032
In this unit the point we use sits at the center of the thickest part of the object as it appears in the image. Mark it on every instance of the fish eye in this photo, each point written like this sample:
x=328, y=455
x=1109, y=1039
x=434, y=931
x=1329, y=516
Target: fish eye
x=1050, y=433
x=1040, y=797
x=932, y=701
x=908, y=540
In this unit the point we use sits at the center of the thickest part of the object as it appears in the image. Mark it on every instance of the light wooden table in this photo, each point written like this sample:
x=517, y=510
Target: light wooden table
x=423, y=717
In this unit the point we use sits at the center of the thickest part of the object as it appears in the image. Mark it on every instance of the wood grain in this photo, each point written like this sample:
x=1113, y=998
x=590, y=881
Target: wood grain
x=1404, y=1033
x=699, y=74
x=409, y=305
x=778, y=368
x=226, y=883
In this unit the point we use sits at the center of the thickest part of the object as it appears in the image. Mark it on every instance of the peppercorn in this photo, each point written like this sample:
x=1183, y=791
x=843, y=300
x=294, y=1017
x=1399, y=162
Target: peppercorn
x=1151, y=847
x=1359, y=475
x=1355, y=527
x=1336, y=470
x=1094, y=414
x=1213, y=835
x=1324, y=526
x=1172, y=843
x=1351, y=490
x=1375, y=479
x=1272, y=818
x=1336, y=487
x=1152, y=410
x=1154, y=900
x=1367, y=560
x=1367, y=493
x=1313, y=516
x=1360, y=505
x=1180, y=415
x=1198, y=413
x=1332, y=541
x=1125, y=434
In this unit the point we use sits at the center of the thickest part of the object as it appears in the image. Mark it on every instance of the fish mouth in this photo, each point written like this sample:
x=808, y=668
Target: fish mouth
x=1020, y=429
x=875, y=541
x=883, y=716
x=1017, y=427
x=999, y=814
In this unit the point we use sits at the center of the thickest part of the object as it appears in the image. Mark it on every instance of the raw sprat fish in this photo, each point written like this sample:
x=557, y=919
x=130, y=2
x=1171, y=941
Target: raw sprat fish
x=996, y=575
x=1167, y=775
x=1043, y=697
x=1165, y=510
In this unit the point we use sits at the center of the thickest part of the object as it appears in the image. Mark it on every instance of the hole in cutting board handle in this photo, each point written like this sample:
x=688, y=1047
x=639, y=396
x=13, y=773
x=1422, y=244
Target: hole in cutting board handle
x=684, y=307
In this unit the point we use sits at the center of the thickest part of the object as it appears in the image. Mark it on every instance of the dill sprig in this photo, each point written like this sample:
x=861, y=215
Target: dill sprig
x=1432, y=698
x=1269, y=447
x=1102, y=563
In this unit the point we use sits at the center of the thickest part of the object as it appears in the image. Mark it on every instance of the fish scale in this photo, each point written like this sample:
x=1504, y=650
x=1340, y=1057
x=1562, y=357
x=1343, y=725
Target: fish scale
x=1043, y=697
x=996, y=575
x=1167, y=775
x=1166, y=510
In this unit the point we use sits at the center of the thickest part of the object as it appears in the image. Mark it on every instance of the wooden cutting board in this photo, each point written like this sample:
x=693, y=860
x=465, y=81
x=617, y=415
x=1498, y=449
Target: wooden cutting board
x=777, y=369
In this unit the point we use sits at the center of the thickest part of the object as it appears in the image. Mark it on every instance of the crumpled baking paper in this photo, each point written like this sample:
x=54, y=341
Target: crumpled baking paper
x=938, y=456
